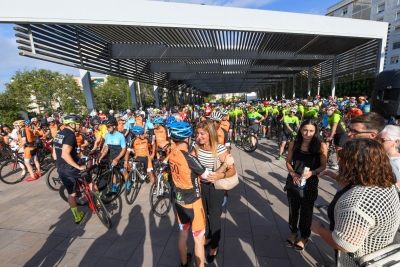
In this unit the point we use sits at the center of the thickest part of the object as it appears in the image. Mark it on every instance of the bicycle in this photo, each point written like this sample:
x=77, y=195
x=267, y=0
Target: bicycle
x=136, y=177
x=160, y=194
x=246, y=139
x=92, y=199
x=11, y=170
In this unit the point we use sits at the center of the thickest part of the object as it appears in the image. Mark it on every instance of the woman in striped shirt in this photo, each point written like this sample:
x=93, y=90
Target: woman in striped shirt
x=208, y=151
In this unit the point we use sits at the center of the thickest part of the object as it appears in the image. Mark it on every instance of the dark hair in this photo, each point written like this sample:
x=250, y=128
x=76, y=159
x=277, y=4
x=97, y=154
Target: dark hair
x=315, y=143
x=371, y=121
x=355, y=168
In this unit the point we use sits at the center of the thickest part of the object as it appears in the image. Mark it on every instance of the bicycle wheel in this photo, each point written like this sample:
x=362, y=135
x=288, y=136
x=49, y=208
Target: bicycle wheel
x=248, y=145
x=161, y=199
x=53, y=181
x=100, y=210
x=105, y=184
x=11, y=171
x=80, y=200
x=131, y=194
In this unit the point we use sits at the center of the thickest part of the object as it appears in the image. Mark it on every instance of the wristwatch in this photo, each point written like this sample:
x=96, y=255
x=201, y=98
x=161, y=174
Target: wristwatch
x=315, y=172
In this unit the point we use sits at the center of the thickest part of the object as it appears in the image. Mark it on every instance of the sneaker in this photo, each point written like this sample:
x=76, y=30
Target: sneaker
x=279, y=158
x=189, y=259
x=38, y=175
x=128, y=186
x=225, y=200
x=23, y=173
x=81, y=215
x=114, y=188
x=335, y=167
x=29, y=179
x=263, y=136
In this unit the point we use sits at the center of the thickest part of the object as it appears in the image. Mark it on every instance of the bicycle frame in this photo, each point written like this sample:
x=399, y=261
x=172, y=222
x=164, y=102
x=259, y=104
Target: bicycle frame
x=84, y=189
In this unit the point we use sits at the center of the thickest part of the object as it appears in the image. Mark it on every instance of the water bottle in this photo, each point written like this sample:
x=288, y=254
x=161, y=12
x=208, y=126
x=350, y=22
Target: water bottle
x=302, y=179
x=205, y=174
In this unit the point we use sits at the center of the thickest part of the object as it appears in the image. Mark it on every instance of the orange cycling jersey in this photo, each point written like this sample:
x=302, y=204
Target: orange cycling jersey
x=161, y=135
x=79, y=139
x=30, y=137
x=222, y=136
x=120, y=125
x=354, y=113
x=55, y=128
x=185, y=170
x=141, y=147
x=225, y=125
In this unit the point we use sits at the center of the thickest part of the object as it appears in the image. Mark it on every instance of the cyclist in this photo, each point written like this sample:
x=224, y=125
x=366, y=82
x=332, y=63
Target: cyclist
x=185, y=171
x=310, y=113
x=67, y=161
x=130, y=121
x=291, y=122
x=226, y=124
x=354, y=111
x=140, y=147
x=115, y=143
x=338, y=129
x=138, y=119
x=223, y=136
x=27, y=141
x=160, y=134
x=149, y=126
x=100, y=131
x=254, y=119
x=263, y=110
x=17, y=140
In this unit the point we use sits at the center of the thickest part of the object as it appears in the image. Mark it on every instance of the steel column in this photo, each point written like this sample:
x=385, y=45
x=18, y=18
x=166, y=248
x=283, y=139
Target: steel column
x=309, y=72
x=156, y=96
x=87, y=89
x=140, y=95
x=294, y=86
x=132, y=89
x=283, y=89
x=333, y=76
x=180, y=98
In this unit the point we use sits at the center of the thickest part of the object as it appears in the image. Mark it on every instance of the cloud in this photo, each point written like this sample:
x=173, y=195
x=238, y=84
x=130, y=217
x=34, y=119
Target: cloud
x=11, y=61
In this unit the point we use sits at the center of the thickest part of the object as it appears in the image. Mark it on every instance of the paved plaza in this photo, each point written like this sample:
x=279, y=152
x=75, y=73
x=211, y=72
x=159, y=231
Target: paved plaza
x=37, y=227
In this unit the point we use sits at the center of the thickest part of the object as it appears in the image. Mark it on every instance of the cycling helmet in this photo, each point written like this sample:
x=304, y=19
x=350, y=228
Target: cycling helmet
x=112, y=122
x=124, y=118
x=266, y=103
x=216, y=116
x=284, y=105
x=28, y=122
x=361, y=98
x=158, y=120
x=294, y=101
x=352, y=105
x=95, y=121
x=137, y=130
x=293, y=110
x=50, y=119
x=19, y=123
x=111, y=111
x=331, y=107
x=117, y=116
x=310, y=104
x=316, y=102
x=279, y=104
x=224, y=113
x=180, y=131
x=201, y=112
x=74, y=119
x=34, y=119
x=93, y=113
x=172, y=119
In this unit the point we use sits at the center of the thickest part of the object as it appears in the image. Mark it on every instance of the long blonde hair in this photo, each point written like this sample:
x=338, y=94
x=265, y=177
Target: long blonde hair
x=208, y=126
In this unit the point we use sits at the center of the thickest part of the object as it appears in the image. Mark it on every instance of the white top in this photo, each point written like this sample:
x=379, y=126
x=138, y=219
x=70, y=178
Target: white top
x=395, y=163
x=366, y=220
x=206, y=159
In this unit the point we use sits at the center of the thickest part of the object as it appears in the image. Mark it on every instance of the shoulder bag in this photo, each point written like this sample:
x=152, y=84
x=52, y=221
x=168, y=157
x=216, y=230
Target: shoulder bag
x=388, y=256
x=294, y=188
x=226, y=183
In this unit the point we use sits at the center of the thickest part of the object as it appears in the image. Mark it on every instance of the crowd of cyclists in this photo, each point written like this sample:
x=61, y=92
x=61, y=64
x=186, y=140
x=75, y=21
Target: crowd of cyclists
x=123, y=136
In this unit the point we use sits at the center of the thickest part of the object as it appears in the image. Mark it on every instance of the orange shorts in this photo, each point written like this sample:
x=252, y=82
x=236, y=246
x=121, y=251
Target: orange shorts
x=29, y=153
x=191, y=214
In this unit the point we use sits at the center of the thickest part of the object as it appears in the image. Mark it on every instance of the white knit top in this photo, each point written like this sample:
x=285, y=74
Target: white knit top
x=366, y=220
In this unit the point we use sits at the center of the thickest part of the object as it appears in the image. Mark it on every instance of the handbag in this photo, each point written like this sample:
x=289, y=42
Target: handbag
x=228, y=182
x=294, y=188
x=388, y=256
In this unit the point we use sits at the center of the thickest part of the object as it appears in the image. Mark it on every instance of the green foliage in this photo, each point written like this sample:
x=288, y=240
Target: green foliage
x=113, y=94
x=46, y=88
x=209, y=98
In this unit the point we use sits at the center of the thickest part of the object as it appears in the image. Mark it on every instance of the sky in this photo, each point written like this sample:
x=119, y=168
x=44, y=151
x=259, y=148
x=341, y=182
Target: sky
x=10, y=61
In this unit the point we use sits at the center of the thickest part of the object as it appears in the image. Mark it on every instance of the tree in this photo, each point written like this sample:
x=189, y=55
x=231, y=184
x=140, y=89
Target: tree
x=47, y=89
x=113, y=94
x=209, y=98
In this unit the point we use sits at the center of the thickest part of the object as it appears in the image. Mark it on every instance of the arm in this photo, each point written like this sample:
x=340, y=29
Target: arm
x=104, y=152
x=333, y=131
x=293, y=174
x=66, y=155
x=326, y=235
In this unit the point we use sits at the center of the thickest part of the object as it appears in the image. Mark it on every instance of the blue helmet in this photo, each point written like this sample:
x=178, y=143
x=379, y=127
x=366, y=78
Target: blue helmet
x=137, y=130
x=28, y=122
x=158, y=120
x=170, y=120
x=180, y=130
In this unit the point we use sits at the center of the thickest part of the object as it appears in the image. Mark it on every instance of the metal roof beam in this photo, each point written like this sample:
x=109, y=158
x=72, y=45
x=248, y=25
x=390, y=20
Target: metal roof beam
x=215, y=76
x=183, y=67
x=160, y=51
x=231, y=81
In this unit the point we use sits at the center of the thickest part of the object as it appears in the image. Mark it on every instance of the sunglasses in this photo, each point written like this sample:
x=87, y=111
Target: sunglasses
x=355, y=132
x=383, y=140
x=217, y=122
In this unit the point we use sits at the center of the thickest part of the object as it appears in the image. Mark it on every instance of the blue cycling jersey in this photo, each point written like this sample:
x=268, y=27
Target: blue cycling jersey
x=129, y=123
x=116, y=142
x=149, y=125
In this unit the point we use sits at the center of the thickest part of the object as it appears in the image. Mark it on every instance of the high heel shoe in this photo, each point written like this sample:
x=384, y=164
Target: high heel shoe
x=299, y=248
x=210, y=258
x=289, y=243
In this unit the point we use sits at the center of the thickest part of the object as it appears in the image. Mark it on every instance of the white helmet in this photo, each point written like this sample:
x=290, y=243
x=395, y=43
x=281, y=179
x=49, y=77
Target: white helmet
x=93, y=113
x=100, y=111
x=111, y=111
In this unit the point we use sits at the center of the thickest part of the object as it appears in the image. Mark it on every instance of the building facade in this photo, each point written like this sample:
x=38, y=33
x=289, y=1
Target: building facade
x=352, y=9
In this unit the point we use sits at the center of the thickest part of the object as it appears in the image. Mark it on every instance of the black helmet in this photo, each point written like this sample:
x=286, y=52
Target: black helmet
x=111, y=122
x=95, y=121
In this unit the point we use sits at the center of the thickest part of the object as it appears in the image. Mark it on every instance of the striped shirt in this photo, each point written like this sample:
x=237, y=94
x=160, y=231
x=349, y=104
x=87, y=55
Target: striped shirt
x=206, y=159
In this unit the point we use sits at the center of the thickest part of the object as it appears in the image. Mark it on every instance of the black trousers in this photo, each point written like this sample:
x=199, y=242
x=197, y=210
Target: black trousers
x=303, y=207
x=212, y=203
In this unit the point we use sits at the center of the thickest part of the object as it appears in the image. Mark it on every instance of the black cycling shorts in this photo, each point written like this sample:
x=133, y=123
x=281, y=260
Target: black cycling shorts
x=68, y=178
x=254, y=128
x=285, y=136
x=340, y=139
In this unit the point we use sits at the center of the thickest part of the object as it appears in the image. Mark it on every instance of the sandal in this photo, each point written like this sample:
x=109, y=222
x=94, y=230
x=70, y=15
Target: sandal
x=299, y=248
x=289, y=243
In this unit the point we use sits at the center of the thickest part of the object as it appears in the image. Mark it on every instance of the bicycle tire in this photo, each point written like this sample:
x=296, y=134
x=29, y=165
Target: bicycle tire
x=10, y=171
x=130, y=195
x=100, y=210
x=53, y=180
x=161, y=200
x=248, y=144
x=106, y=197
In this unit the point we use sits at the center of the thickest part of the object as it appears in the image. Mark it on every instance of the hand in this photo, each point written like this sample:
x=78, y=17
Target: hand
x=152, y=157
x=213, y=177
x=316, y=226
x=125, y=164
x=296, y=177
x=328, y=139
x=82, y=168
x=328, y=173
x=307, y=174
x=114, y=162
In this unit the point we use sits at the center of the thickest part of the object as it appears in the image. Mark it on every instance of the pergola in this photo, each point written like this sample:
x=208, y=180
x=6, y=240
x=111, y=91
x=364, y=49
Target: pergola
x=192, y=50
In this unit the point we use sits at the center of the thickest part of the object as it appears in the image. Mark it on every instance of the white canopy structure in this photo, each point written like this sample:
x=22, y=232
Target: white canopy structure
x=197, y=48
